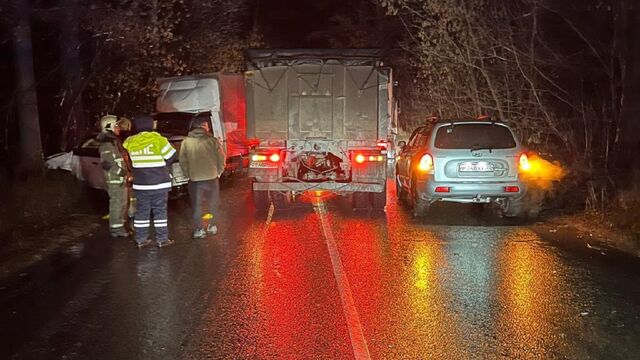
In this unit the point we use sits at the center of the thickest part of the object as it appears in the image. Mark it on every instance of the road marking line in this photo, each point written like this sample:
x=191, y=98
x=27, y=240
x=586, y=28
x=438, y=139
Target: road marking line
x=358, y=342
x=267, y=224
x=269, y=215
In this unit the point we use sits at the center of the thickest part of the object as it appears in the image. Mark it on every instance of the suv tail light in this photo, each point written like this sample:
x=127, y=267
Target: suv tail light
x=523, y=163
x=426, y=163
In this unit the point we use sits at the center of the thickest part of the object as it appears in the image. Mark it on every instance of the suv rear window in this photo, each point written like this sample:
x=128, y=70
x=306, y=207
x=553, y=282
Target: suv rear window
x=474, y=136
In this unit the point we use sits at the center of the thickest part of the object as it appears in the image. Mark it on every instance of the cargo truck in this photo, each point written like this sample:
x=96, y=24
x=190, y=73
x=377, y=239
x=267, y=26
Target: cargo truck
x=323, y=120
x=218, y=97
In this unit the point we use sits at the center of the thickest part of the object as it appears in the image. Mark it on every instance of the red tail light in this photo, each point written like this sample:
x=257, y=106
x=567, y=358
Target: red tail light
x=511, y=189
x=443, y=189
x=372, y=158
x=262, y=158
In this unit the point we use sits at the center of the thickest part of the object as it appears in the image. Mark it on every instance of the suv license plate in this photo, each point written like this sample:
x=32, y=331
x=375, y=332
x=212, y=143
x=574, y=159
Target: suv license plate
x=476, y=167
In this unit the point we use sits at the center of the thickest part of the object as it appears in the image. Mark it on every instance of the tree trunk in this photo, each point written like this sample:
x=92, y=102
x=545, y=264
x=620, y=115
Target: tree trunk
x=72, y=112
x=31, y=161
x=630, y=126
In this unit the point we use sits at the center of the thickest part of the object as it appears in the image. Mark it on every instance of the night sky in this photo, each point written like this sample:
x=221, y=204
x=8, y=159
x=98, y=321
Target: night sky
x=287, y=23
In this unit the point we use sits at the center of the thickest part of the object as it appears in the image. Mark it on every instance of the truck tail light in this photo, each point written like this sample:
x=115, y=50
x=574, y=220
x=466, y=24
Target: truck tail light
x=443, y=189
x=361, y=158
x=269, y=158
x=426, y=163
x=511, y=189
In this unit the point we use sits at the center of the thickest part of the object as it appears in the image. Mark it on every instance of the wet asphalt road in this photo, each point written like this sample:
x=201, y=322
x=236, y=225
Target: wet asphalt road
x=320, y=281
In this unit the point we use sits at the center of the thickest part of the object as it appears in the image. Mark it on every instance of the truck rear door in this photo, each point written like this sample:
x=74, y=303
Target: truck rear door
x=304, y=101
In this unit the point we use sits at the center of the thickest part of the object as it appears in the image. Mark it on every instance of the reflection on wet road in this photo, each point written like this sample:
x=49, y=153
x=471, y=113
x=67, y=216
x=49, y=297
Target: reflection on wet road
x=326, y=282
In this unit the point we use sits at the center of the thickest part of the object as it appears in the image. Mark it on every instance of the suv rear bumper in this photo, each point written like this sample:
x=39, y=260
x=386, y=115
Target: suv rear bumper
x=468, y=192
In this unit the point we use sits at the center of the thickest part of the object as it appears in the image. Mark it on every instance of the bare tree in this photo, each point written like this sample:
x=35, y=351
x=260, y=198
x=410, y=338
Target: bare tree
x=73, y=118
x=138, y=41
x=31, y=160
x=561, y=82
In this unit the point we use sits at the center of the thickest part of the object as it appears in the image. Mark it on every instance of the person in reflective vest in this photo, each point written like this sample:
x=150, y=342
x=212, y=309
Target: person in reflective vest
x=151, y=156
x=113, y=160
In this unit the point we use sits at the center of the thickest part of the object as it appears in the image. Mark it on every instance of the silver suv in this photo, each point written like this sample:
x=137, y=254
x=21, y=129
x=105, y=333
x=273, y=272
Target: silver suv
x=464, y=161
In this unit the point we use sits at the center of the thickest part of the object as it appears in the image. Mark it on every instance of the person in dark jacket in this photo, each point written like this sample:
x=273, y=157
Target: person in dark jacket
x=113, y=160
x=202, y=159
x=151, y=156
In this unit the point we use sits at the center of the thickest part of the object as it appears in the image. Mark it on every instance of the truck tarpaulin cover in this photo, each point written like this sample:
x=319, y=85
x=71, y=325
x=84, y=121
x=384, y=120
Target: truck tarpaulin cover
x=258, y=58
x=234, y=114
x=337, y=94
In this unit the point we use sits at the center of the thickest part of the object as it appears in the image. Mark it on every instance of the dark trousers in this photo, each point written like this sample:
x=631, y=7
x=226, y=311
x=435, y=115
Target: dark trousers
x=204, y=195
x=150, y=202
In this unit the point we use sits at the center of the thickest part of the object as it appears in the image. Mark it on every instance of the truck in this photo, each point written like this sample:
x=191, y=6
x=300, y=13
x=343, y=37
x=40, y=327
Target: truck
x=323, y=120
x=218, y=97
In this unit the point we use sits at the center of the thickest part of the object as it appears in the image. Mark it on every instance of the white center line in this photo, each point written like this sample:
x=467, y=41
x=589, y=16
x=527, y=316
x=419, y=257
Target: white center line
x=358, y=342
x=267, y=222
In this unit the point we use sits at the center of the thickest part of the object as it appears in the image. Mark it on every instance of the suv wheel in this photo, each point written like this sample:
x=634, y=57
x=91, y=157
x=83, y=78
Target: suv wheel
x=520, y=209
x=401, y=193
x=419, y=206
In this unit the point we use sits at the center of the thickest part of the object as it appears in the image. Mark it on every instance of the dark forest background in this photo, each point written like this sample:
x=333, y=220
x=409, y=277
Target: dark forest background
x=564, y=74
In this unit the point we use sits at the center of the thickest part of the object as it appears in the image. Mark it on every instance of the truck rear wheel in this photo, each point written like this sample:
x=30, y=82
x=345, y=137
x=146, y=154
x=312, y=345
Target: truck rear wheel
x=280, y=200
x=379, y=200
x=260, y=199
x=360, y=200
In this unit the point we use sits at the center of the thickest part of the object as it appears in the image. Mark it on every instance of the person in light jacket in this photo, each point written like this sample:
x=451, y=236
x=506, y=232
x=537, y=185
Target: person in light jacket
x=202, y=159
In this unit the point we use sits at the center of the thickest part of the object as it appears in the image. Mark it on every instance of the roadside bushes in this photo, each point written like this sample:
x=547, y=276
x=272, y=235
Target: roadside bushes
x=40, y=202
x=556, y=72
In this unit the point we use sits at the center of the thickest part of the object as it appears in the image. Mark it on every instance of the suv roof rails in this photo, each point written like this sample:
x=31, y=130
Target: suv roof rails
x=432, y=119
x=483, y=118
